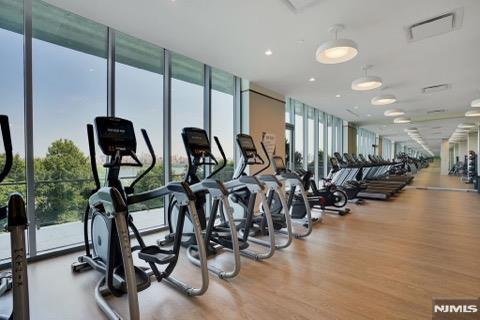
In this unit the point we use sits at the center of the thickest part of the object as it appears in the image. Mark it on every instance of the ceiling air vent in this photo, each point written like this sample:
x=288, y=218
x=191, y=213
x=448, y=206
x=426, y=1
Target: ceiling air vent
x=299, y=5
x=436, y=111
x=351, y=112
x=435, y=26
x=435, y=88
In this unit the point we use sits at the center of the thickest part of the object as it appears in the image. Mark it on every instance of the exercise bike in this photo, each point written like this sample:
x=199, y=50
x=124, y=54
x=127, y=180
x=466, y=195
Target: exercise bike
x=14, y=212
x=329, y=198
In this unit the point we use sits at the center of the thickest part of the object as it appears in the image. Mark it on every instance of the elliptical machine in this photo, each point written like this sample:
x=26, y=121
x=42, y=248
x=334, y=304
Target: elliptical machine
x=298, y=201
x=215, y=236
x=269, y=221
x=111, y=252
x=14, y=212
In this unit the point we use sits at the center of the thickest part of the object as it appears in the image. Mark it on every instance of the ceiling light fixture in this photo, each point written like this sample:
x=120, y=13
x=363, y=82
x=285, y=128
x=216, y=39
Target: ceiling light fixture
x=383, y=100
x=338, y=96
x=466, y=125
x=312, y=79
x=411, y=129
x=394, y=113
x=268, y=52
x=336, y=50
x=475, y=103
x=473, y=113
x=366, y=82
x=402, y=120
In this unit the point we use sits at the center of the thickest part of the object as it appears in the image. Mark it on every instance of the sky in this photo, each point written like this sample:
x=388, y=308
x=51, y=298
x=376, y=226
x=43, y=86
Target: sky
x=69, y=91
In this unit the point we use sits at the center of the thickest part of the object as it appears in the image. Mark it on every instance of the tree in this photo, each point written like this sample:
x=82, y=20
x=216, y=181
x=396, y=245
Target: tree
x=63, y=182
x=16, y=175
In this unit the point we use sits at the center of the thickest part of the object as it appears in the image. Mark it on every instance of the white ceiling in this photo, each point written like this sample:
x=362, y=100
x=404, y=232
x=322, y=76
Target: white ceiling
x=233, y=35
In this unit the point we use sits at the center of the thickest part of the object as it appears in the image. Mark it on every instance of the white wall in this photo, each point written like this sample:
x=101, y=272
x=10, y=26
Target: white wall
x=444, y=161
x=462, y=150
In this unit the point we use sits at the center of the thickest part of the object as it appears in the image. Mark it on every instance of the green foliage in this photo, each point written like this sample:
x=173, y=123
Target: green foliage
x=154, y=179
x=63, y=183
x=16, y=175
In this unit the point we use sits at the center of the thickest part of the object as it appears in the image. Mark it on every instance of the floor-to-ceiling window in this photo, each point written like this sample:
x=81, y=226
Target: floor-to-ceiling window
x=70, y=86
x=303, y=121
x=11, y=93
x=330, y=140
x=298, y=159
x=365, y=141
x=387, y=149
x=139, y=98
x=321, y=144
x=187, y=107
x=222, y=118
x=310, y=138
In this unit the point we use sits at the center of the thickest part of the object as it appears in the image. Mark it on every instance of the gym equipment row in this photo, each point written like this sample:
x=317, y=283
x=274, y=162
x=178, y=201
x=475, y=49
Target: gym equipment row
x=251, y=215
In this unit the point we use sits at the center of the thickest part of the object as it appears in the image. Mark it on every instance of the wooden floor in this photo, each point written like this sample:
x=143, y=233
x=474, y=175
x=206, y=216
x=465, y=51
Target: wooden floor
x=386, y=260
x=432, y=178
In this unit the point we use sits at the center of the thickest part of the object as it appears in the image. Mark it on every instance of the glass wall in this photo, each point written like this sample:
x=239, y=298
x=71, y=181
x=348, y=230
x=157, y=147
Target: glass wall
x=310, y=139
x=70, y=83
x=222, y=114
x=139, y=98
x=387, y=149
x=365, y=141
x=11, y=91
x=298, y=157
x=187, y=107
x=307, y=146
x=321, y=144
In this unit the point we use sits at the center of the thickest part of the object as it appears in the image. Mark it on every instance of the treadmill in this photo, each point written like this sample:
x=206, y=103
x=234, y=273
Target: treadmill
x=354, y=172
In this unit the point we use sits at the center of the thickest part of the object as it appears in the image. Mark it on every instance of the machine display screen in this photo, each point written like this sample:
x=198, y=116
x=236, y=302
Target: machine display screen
x=115, y=134
x=246, y=143
x=196, y=141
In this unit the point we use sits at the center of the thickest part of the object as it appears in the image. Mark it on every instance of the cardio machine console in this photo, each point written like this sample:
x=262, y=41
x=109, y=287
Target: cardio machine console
x=116, y=136
x=196, y=142
x=247, y=146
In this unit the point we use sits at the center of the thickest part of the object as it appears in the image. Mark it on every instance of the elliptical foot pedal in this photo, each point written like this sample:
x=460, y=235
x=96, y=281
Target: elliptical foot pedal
x=167, y=240
x=153, y=254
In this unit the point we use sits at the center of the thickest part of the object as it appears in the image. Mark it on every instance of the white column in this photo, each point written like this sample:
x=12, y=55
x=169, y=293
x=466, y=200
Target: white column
x=444, y=165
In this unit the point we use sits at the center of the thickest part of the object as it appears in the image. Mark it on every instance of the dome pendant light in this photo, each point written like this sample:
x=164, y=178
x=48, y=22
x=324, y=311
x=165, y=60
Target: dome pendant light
x=473, y=113
x=402, y=120
x=394, y=113
x=366, y=82
x=336, y=50
x=475, y=103
x=383, y=100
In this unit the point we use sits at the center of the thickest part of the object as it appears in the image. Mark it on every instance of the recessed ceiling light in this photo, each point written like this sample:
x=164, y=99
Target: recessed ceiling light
x=394, y=113
x=466, y=125
x=402, y=120
x=366, y=82
x=338, y=96
x=384, y=100
x=312, y=79
x=475, y=103
x=268, y=52
x=473, y=113
x=337, y=50
x=369, y=115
